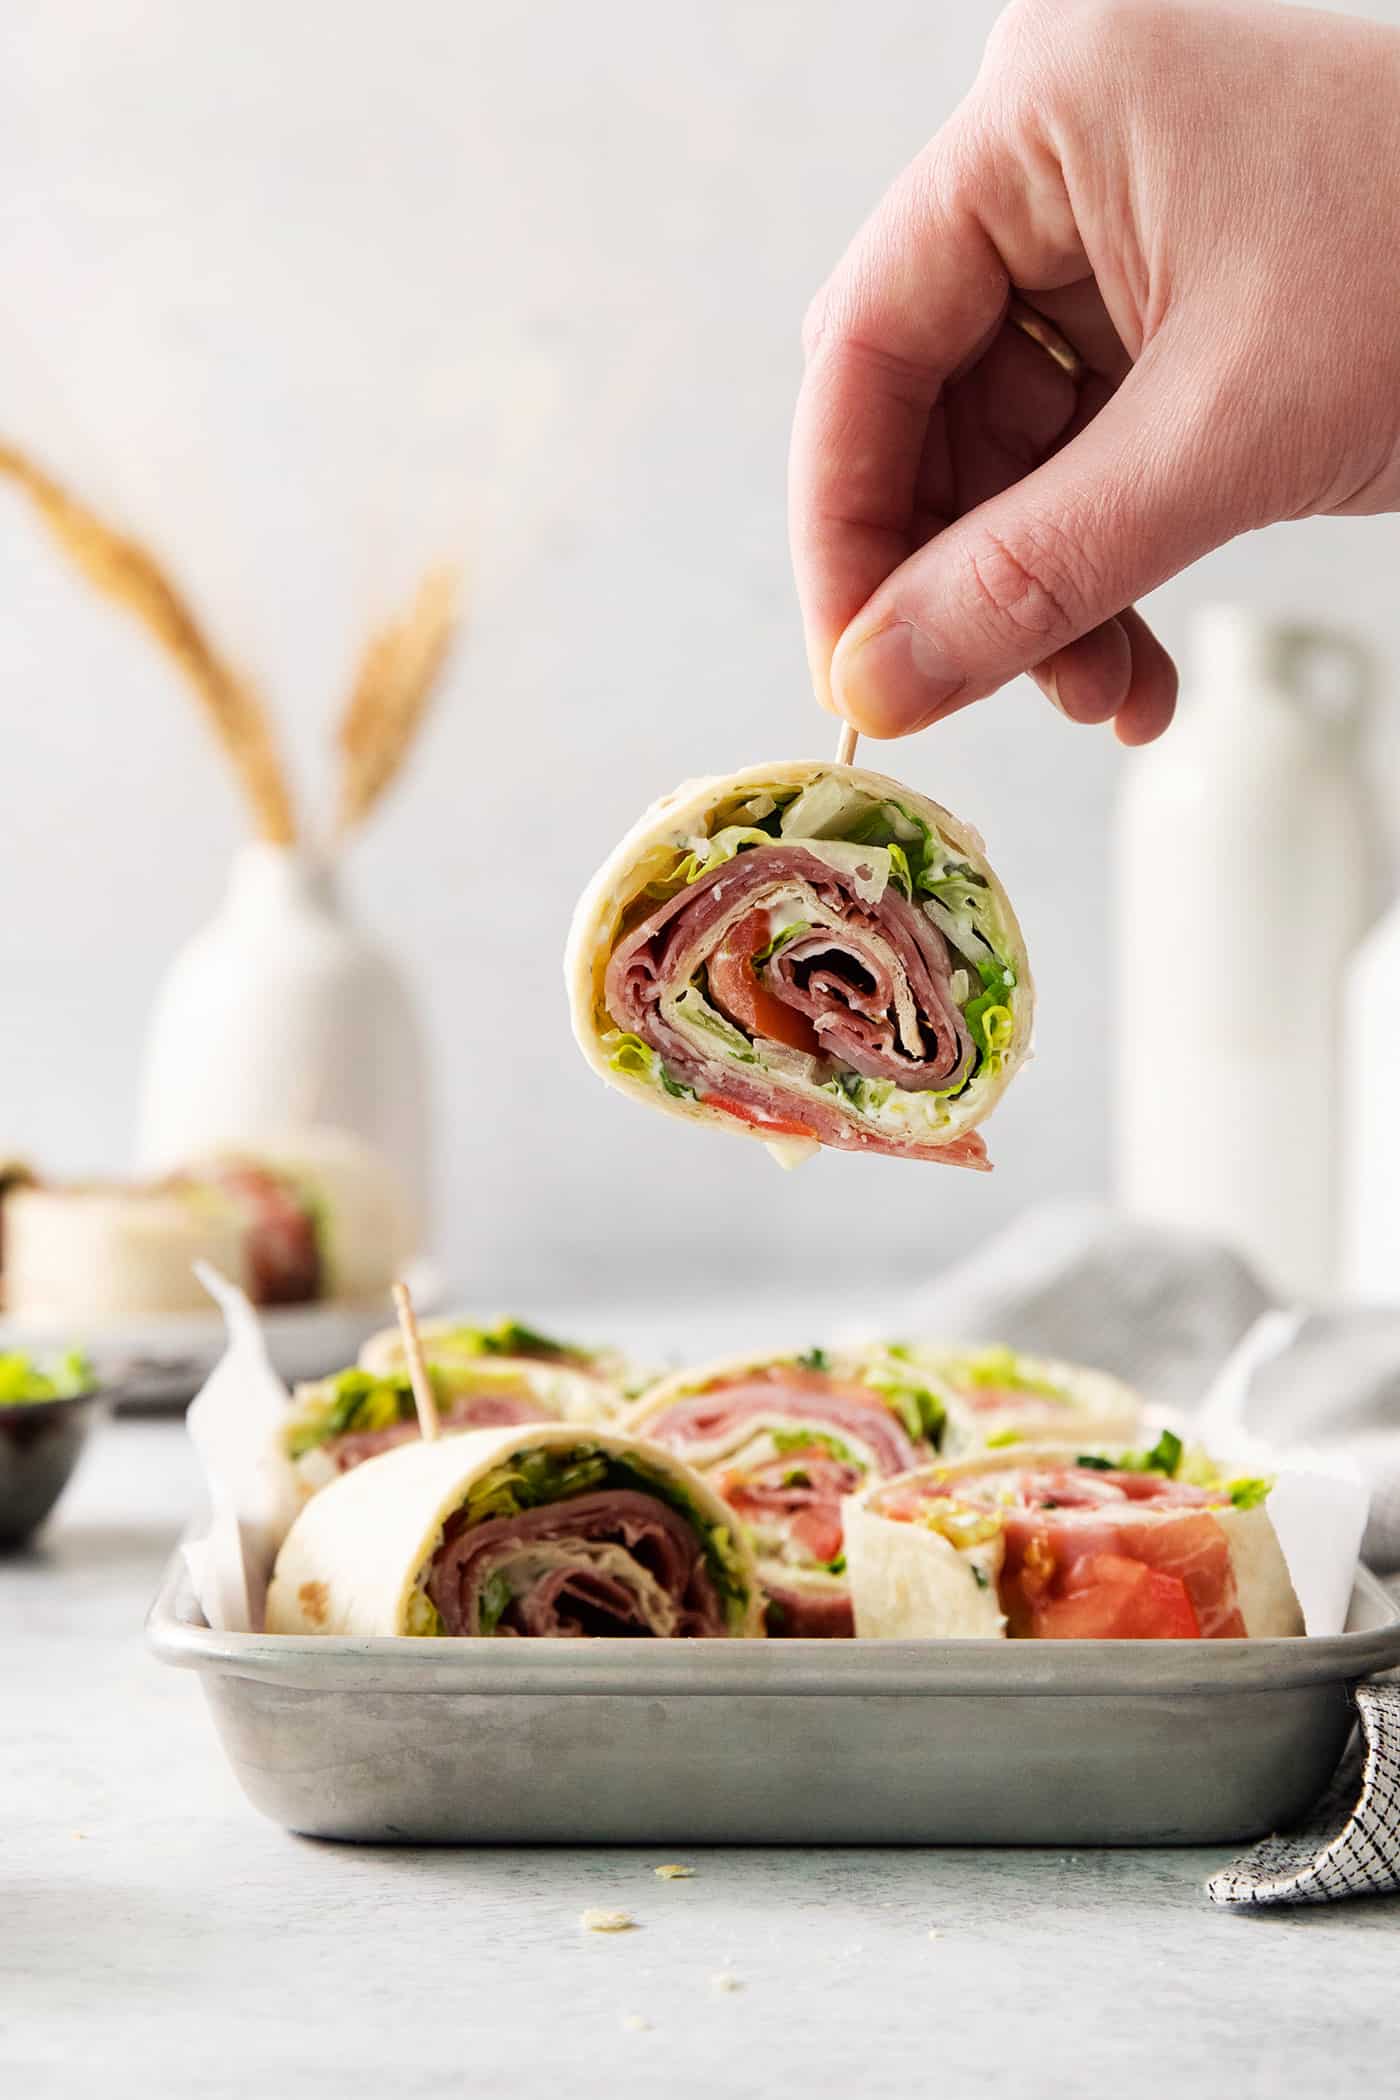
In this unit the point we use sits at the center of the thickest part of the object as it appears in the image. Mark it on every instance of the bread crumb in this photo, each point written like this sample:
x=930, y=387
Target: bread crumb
x=674, y=1873
x=726, y=1981
x=607, y=1921
x=635, y=2023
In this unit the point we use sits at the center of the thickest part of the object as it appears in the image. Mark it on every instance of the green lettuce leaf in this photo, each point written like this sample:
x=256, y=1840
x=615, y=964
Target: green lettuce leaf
x=25, y=1379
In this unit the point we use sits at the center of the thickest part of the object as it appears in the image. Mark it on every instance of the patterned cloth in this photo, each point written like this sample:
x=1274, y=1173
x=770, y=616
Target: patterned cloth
x=1350, y=1843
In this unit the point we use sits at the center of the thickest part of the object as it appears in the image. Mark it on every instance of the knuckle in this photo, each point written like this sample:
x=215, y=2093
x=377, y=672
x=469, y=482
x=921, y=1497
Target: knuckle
x=1025, y=587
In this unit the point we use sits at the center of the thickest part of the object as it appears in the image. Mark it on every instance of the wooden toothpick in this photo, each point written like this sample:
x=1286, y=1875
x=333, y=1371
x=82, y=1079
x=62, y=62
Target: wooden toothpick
x=846, y=748
x=428, y=1423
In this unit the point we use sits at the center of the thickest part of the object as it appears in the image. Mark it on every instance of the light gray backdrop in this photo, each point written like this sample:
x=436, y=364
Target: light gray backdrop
x=308, y=293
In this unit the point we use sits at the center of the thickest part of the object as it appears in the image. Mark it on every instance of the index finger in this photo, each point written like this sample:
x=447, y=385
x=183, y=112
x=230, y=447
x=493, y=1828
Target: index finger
x=919, y=294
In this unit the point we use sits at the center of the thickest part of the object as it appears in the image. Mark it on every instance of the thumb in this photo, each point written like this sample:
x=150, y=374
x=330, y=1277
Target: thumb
x=1020, y=582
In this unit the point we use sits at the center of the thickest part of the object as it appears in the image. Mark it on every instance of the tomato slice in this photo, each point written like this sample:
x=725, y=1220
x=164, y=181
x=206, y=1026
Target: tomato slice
x=818, y=1532
x=1117, y=1599
x=739, y=991
x=778, y=1126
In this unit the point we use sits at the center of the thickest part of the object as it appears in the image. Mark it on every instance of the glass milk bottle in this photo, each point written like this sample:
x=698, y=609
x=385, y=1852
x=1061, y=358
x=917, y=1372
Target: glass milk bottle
x=1243, y=880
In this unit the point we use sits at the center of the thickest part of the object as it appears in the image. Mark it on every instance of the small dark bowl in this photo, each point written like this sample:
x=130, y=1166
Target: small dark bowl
x=40, y=1443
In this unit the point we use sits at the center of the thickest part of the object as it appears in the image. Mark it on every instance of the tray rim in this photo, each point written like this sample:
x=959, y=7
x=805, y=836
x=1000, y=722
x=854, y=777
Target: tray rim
x=797, y=1668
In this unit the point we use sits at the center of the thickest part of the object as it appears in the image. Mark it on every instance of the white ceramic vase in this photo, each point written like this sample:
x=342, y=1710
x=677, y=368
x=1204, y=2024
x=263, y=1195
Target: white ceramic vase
x=281, y=1015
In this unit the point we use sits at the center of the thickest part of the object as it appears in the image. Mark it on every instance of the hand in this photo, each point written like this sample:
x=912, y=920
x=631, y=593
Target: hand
x=1203, y=200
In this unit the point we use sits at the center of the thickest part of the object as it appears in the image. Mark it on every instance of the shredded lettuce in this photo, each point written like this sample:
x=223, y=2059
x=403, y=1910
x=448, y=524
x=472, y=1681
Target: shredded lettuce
x=25, y=1379
x=1001, y=1367
x=1164, y=1457
x=919, y=1408
x=495, y=1597
x=694, y=1007
x=1249, y=1493
x=864, y=1095
x=704, y=855
x=352, y=1401
x=814, y=1360
x=812, y=1440
x=780, y=940
x=1004, y=1438
x=630, y=1054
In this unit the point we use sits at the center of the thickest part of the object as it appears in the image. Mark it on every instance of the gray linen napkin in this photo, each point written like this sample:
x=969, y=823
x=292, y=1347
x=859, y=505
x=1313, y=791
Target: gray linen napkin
x=1166, y=1310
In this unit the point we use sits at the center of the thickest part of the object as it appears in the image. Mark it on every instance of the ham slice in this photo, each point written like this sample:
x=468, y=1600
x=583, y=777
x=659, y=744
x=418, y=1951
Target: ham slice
x=668, y=1590
x=282, y=1247
x=472, y=1411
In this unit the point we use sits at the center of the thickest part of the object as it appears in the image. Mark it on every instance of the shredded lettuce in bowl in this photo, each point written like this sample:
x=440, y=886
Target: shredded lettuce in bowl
x=26, y=1380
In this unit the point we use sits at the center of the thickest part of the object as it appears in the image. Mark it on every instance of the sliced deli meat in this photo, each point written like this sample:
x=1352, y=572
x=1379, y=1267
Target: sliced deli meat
x=810, y=954
x=543, y=1532
x=1068, y=1545
x=785, y=1439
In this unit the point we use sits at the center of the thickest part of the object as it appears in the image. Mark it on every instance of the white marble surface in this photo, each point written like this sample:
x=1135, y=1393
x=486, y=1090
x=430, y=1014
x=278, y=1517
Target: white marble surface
x=157, y=1936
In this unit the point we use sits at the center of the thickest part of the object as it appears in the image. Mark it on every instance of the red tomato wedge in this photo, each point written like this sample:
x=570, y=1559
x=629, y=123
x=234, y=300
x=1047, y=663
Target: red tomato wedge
x=1117, y=1599
x=775, y=1125
x=739, y=991
x=818, y=1531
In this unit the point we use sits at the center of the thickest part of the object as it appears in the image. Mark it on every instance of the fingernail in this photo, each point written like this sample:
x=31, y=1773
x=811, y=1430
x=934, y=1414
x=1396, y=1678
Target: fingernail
x=893, y=680
x=1052, y=687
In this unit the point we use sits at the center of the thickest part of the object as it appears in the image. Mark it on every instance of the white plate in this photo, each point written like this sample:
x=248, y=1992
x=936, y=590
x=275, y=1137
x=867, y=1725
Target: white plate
x=163, y=1362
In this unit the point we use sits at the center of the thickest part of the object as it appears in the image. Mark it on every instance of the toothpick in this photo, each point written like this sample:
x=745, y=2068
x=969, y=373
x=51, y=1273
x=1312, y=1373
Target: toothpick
x=846, y=748
x=428, y=1423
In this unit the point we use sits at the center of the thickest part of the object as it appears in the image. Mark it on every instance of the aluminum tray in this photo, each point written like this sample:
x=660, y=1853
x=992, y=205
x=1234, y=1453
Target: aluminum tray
x=779, y=1742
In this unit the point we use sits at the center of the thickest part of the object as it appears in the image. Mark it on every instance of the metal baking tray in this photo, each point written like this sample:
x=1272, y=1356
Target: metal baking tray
x=779, y=1742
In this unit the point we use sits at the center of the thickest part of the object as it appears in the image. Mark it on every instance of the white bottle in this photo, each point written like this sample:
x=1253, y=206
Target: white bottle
x=1243, y=881
x=282, y=1016
x=1371, y=1153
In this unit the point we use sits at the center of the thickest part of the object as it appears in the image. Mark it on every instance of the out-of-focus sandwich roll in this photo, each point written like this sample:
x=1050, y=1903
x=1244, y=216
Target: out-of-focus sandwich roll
x=783, y=1439
x=809, y=954
x=547, y=1531
x=319, y=1216
x=1068, y=1545
x=997, y=1396
x=611, y=1378
x=337, y=1423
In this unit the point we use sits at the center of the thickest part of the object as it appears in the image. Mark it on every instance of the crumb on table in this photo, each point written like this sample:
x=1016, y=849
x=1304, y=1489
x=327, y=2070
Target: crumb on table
x=608, y=1921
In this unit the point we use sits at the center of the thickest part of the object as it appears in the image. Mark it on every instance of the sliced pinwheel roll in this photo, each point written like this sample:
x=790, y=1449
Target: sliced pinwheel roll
x=997, y=1397
x=1069, y=1545
x=337, y=1423
x=809, y=954
x=783, y=1439
x=614, y=1378
x=550, y=1532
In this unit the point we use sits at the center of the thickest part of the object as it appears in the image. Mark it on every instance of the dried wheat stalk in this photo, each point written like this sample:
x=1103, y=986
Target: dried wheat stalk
x=398, y=673
x=124, y=572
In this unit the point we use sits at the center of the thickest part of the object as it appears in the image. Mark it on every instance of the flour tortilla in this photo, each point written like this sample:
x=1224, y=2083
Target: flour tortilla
x=352, y=1561
x=105, y=1253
